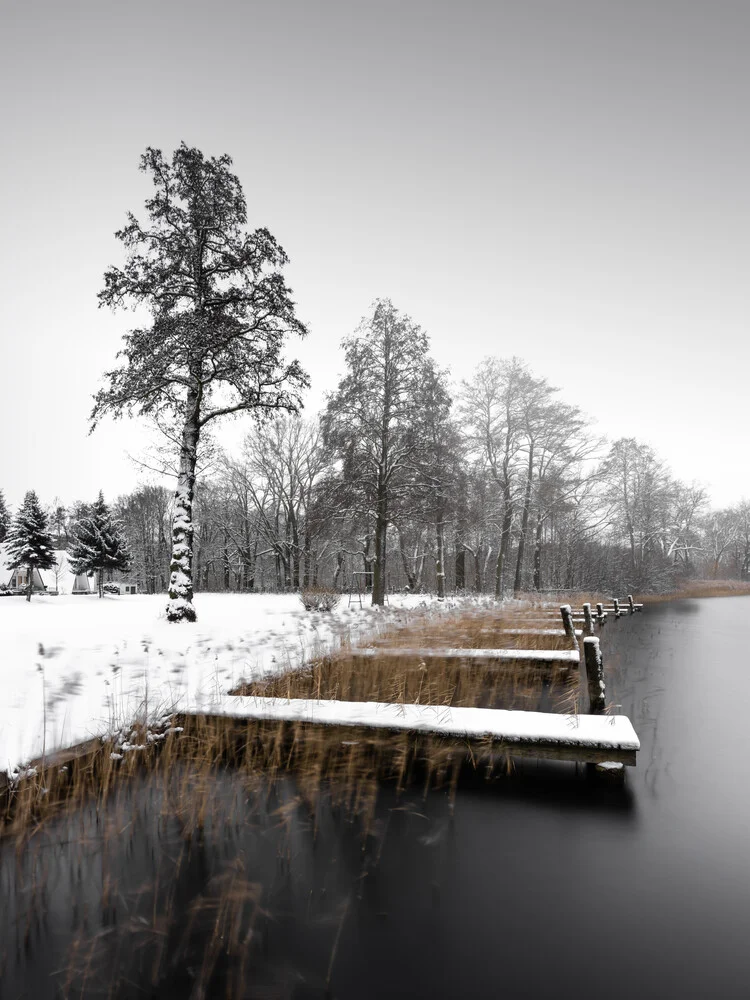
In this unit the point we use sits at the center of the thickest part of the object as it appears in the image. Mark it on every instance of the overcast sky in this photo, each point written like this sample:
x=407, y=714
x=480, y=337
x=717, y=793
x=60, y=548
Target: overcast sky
x=564, y=181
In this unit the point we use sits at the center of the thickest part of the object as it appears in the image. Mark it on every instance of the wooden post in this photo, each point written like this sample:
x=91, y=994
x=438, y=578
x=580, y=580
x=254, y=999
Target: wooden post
x=589, y=619
x=592, y=655
x=567, y=617
x=616, y=606
x=630, y=602
x=600, y=611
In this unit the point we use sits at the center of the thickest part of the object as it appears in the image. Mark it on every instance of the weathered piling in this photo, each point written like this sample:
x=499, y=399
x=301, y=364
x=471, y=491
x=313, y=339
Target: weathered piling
x=616, y=606
x=630, y=604
x=567, y=617
x=594, y=674
x=588, y=619
x=600, y=612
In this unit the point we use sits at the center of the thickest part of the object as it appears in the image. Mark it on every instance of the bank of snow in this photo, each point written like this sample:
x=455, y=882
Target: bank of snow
x=73, y=667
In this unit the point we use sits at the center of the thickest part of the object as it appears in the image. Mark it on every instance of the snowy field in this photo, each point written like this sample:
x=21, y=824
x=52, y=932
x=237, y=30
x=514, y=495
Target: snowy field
x=74, y=667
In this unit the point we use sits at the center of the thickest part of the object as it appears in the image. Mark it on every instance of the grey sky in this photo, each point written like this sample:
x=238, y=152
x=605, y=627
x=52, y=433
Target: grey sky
x=568, y=182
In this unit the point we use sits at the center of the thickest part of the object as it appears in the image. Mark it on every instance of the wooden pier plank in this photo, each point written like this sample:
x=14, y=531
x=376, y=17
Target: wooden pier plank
x=589, y=738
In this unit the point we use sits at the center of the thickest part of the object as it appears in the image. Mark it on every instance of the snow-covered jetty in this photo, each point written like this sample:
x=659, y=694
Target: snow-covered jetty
x=587, y=738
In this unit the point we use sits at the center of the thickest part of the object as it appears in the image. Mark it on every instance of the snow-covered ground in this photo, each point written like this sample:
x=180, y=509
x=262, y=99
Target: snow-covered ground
x=74, y=667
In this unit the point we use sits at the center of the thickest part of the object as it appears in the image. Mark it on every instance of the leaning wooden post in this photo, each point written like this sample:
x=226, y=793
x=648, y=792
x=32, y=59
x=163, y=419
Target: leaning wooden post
x=567, y=617
x=592, y=655
x=616, y=606
x=588, y=618
x=630, y=602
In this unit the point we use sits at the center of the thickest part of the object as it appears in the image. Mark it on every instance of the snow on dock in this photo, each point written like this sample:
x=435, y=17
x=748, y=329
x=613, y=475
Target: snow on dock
x=568, y=656
x=567, y=737
x=539, y=631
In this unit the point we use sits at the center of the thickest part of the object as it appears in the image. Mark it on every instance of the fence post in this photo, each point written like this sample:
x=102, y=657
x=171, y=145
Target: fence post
x=592, y=655
x=589, y=619
x=616, y=606
x=567, y=617
x=630, y=602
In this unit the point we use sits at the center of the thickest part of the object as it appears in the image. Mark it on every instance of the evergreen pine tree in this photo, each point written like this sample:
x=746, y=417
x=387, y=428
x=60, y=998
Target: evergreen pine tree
x=4, y=518
x=29, y=542
x=98, y=544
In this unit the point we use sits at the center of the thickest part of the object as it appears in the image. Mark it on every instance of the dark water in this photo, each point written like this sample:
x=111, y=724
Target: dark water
x=539, y=884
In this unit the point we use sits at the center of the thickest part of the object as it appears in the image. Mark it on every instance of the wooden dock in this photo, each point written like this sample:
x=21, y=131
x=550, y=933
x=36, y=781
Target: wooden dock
x=584, y=738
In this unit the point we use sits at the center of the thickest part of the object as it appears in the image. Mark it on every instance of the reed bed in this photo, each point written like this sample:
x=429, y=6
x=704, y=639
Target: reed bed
x=391, y=677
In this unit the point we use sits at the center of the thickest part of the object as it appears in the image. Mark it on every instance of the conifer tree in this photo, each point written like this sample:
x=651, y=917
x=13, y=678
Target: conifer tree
x=4, y=518
x=98, y=544
x=29, y=542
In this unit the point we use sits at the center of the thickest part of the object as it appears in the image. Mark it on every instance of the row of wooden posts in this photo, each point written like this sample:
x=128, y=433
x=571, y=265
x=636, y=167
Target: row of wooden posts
x=592, y=654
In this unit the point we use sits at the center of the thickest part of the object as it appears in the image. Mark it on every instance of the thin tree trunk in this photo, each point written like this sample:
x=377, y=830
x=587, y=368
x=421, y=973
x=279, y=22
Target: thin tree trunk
x=538, y=554
x=440, y=560
x=460, y=563
x=339, y=566
x=410, y=577
x=524, y=522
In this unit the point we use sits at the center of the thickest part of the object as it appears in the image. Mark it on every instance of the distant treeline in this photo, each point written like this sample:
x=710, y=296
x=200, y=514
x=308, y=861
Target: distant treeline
x=497, y=486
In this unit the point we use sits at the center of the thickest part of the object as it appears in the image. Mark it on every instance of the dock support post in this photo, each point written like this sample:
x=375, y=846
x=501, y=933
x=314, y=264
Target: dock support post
x=567, y=617
x=616, y=606
x=592, y=655
x=588, y=618
x=600, y=613
x=630, y=603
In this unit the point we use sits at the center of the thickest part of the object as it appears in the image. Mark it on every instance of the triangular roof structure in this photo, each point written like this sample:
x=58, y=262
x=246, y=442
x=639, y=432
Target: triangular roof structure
x=60, y=577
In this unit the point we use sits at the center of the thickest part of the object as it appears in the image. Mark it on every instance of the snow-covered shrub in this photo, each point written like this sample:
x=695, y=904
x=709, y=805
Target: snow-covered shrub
x=111, y=588
x=319, y=599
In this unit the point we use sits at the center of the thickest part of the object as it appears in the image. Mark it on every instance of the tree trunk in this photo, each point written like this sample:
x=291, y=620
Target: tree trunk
x=180, y=605
x=440, y=560
x=308, y=557
x=31, y=583
x=381, y=532
x=502, y=554
x=524, y=523
x=100, y=581
x=226, y=564
x=411, y=579
x=460, y=561
x=538, y=554
x=339, y=567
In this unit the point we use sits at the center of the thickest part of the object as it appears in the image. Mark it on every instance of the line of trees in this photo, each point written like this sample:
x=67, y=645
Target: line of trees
x=495, y=485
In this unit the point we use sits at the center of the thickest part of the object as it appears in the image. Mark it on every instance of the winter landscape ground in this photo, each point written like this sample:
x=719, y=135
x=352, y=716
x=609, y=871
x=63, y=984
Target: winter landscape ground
x=75, y=667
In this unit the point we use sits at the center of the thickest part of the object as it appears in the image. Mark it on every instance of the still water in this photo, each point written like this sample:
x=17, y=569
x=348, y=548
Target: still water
x=538, y=884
